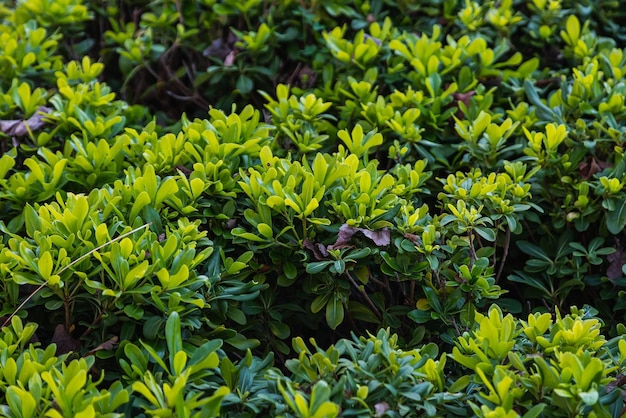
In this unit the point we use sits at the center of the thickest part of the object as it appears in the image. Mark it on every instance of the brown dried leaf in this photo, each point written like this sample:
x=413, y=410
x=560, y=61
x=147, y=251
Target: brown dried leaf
x=588, y=168
x=64, y=341
x=381, y=408
x=218, y=48
x=415, y=239
x=107, y=345
x=345, y=233
x=616, y=261
x=591, y=166
x=319, y=250
x=464, y=97
x=22, y=127
x=381, y=238
x=620, y=380
x=230, y=59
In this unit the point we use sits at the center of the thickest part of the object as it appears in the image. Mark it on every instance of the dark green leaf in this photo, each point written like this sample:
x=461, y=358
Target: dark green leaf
x=616, y=219
x=244, y=84
x=334, y=311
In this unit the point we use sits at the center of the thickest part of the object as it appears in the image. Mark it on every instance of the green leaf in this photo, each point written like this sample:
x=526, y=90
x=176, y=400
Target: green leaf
x=321, y=407
x=45, y=265
x=317, y=266
x=616, y=219
x=244, y=84
x=134, y=311
x=319, y=302
x=480, y=124
x=265, y=230
x=32, y=220
x=152, y=216
x=486, y=233
x=433, y=299
x=290, y=270
x=535, y=411
x=240, y=232
x=236, y=315
x=573, y=29
x=334, y=311
x=205, y=356
x=589, y=398
x=173, y=336
x=532, y=250
x=136, y=357
x=419, y=316
x=213, y=406
x=525, y=279
x=166, y=189
x=543, y=111
x=461, y=383
x=6, y=163
x=135, y=274
x=280, y=329
x=361, y=312
x=155, y=356
x=179, y=363
x=142, y=200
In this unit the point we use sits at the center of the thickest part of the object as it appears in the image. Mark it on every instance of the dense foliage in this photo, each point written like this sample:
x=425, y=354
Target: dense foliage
x=312, y=208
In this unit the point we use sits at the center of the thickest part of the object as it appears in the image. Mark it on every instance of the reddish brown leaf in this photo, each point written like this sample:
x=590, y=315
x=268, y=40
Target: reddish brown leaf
x=319, y=250
x=415, y=239
x=464, y=97
x=381, y=408
x=218, y=48
x=230, y=59
x=107, y=345
x=620, y=380
x=345, y=233
x=616, y=261
x=381, y=238
x=21, y=127
x=588, y=168
x=591, y=166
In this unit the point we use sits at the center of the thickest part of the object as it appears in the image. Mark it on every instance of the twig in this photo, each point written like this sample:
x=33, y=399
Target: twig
x=507, y=242
x=79, y=259
x=473, y=256
x=365, y=296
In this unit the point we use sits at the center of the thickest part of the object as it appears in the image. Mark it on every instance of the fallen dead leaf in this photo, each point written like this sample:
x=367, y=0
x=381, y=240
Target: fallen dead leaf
x=107, y=345
x=21, y=127
x=616, y=261
x=381, y=238
x=319, y=250
x=381, y=408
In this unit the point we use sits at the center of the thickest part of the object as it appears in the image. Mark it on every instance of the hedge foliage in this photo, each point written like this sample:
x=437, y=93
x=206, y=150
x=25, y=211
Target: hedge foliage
x=312, y=208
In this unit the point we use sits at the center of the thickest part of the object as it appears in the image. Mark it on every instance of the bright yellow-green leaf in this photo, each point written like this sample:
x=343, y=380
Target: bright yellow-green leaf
x=265, y=230
x=88, y=412
x=326, y=410
x=45, y=265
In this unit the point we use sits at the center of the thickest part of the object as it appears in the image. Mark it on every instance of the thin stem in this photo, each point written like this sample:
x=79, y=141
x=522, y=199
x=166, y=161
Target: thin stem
x=456, y=327
x=384, y=285
x=507, y=243
x=66, y=304
x=95, y=322
x=473, y=256
x=365, y=296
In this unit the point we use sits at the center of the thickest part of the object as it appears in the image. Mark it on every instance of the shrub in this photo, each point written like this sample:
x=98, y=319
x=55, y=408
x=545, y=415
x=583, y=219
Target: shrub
x=190, y=192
